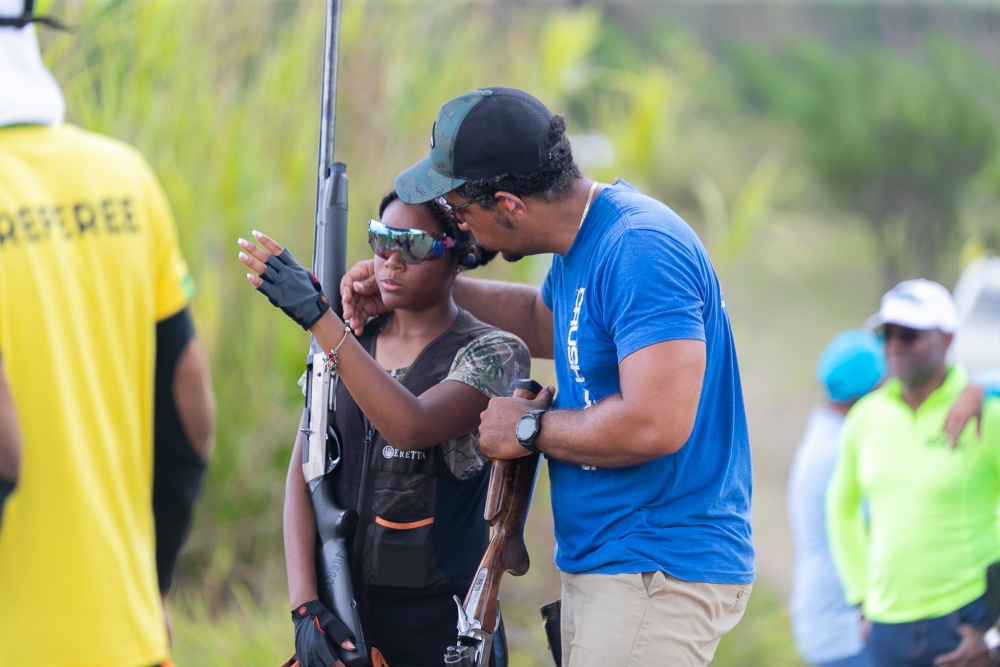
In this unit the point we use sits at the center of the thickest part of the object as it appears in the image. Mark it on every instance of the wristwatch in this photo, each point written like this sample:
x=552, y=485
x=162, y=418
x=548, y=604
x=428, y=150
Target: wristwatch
x=527, y=429
x=992, y=641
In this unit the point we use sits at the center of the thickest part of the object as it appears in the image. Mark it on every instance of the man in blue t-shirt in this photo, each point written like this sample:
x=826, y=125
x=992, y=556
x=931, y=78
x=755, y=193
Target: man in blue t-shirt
x=647, y=443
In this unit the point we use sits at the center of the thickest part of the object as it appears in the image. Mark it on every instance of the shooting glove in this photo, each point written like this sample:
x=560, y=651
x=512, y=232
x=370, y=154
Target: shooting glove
x=293, y=288
x=318, y=633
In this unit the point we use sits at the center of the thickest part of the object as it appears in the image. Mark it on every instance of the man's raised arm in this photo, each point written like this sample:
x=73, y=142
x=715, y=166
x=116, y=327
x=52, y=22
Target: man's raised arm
x=512, y=307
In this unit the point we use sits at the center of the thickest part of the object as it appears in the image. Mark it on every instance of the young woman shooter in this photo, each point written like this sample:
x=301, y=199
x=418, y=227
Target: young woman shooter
x=410, y=391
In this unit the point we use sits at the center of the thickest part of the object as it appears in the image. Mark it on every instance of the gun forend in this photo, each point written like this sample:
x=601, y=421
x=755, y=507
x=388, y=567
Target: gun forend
x=501, y=476
x=511, y=485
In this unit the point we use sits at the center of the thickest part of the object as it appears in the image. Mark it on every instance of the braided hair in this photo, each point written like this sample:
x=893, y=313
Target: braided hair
x=466, y=251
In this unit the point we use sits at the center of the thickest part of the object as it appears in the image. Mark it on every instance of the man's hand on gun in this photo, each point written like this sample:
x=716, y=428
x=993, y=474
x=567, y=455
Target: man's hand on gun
x=497, y=439
x=317, y=635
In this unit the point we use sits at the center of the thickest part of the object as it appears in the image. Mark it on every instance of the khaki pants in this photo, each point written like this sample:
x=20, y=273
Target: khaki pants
x=649, y=619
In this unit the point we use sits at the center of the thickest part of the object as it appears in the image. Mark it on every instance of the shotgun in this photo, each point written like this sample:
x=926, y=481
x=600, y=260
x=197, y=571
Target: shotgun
x=511, y=485
x=321, y=448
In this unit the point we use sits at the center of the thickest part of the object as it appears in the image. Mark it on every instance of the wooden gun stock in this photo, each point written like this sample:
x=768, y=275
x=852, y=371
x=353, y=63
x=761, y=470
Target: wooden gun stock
x=511, y=486
x=507, y=501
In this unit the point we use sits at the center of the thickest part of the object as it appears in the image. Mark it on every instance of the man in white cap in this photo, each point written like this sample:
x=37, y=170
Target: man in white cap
x=95, y=339
x=916, y=568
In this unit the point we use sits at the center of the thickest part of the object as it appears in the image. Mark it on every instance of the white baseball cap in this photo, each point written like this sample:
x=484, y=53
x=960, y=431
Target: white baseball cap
x=28, y=92
x=917, y=304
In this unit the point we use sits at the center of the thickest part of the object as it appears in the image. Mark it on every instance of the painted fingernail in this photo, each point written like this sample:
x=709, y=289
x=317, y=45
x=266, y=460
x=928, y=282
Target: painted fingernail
x=251, y=276
x=256, y=234
x=243, y=256
x=243, y=242
x=349, y=645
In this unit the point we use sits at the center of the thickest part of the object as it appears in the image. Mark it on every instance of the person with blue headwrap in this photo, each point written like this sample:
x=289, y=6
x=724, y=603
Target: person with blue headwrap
x=827, y=630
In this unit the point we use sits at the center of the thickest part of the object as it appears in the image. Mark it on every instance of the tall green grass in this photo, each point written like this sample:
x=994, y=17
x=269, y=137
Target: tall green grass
x=222, y=97
x=249, y=633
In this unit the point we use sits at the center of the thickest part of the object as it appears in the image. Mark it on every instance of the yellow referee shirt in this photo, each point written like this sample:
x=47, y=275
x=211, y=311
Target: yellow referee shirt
x=88, y=264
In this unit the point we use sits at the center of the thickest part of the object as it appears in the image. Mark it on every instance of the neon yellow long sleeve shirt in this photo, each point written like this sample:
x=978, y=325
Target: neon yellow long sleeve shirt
x=932, y=525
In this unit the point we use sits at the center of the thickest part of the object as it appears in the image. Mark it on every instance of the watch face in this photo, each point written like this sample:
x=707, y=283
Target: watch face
x=526, y=427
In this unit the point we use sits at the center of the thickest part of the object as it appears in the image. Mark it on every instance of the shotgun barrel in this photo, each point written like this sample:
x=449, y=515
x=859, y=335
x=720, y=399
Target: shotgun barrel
x=322, y=447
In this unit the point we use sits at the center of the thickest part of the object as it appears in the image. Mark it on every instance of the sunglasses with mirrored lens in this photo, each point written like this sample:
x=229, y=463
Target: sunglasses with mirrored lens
x=415, y=246
x=902, y=334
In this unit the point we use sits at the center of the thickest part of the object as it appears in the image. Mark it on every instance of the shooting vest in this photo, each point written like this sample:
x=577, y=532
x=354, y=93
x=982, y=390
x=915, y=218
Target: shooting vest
x=419, y=527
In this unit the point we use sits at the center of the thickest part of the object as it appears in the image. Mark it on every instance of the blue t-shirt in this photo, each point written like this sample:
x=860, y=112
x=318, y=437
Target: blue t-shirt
x=637, y=275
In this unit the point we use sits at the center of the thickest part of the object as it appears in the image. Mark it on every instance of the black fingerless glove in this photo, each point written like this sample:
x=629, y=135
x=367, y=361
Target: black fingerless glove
x=293, y=288
x=318, y=634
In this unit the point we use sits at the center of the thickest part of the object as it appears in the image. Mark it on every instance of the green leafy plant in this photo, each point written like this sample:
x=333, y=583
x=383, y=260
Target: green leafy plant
x=896, y=139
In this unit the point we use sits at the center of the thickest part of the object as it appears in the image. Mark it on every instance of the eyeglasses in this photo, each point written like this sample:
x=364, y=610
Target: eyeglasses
x=415, y=246
x=904, y=335
x=453, y=210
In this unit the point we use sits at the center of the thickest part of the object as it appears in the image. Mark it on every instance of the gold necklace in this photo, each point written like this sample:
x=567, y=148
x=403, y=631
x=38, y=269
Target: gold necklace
x=590, y=197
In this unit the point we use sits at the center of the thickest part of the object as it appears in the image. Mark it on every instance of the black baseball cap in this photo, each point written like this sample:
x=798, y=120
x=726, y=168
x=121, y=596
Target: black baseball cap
x=26, y=16
x=485, y=133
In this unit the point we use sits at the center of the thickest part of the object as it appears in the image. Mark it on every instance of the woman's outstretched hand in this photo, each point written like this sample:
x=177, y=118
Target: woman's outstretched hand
x=360, y=295
x=286, y=284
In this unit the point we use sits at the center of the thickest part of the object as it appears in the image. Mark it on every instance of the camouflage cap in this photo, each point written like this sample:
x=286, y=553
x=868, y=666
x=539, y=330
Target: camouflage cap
x=485, y=133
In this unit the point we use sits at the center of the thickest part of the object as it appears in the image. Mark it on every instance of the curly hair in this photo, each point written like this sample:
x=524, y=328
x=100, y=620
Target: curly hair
x=466, y=251
x=549, y=182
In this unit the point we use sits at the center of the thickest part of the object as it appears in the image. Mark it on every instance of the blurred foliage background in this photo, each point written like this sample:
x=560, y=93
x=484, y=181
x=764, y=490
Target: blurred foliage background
x=823, y=150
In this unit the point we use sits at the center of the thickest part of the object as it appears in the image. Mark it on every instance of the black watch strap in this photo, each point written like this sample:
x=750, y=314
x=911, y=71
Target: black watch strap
x=528, y=442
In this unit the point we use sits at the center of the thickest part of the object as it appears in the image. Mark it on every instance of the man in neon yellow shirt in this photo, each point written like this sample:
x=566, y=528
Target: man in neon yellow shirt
x=95, y=337
x=917, y=567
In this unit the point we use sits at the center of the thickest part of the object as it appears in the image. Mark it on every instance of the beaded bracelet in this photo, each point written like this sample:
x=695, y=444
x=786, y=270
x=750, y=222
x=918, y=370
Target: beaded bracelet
x=331, y=357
